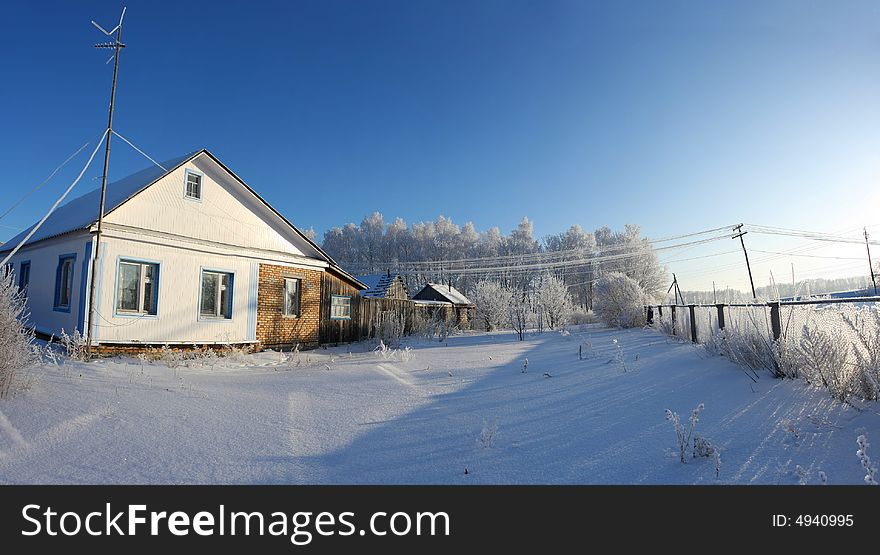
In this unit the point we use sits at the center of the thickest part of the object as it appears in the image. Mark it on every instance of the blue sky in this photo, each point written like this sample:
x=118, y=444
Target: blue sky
x=678, y=116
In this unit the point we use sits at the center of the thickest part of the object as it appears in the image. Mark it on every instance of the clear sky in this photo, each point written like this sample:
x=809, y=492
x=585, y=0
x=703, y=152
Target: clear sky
x=676, y=115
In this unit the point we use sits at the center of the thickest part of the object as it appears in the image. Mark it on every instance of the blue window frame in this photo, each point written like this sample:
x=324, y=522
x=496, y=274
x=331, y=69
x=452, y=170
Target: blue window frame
x=64, y=282
x=340, y=307
x=215, y=295
x=24, y=274
x=137, y=287
x=192, y=185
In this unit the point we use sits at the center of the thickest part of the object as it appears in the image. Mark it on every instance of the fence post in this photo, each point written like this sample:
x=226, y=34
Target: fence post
x=650, y=318
x=660, y=311
x=720, y=308
x=692, y=309
x=673, y=319
x=775, y=321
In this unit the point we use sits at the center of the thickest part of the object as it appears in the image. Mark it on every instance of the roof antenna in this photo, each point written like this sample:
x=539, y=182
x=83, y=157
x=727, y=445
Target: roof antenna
x=116, y=45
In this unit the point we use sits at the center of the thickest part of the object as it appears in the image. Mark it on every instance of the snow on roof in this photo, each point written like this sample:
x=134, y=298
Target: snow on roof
x=377, y=284
x=432, y=303
x=82, y=212
x=454, y=295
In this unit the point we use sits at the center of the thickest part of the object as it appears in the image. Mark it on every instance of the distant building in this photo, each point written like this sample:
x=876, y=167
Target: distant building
x=438, y=292
x=383, y=286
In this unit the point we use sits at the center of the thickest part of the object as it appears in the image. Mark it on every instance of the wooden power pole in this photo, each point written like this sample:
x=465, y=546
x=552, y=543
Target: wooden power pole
x=740, y=234
x=870, y=265
x=117, y=47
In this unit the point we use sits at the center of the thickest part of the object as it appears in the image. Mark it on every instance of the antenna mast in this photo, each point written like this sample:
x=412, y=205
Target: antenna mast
x=116, y=45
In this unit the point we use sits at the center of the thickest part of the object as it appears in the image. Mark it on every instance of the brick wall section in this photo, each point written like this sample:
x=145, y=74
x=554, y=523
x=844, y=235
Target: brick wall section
x=273, y=328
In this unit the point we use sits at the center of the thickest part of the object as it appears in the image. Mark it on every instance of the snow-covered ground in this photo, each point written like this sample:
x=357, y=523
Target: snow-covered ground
x=349, y=416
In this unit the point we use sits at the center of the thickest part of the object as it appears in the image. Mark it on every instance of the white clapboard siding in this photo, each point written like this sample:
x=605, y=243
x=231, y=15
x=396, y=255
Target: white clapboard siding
x=43, y=258
x=227, y=212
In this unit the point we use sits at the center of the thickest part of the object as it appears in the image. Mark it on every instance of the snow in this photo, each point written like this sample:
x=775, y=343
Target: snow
x=376, y=284
x=452, y=294
x=82, y=211
x=327, y=416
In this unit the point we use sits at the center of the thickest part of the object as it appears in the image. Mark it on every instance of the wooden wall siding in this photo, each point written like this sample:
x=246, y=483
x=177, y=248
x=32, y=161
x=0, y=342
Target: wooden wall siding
x=338, y=331
x=369, y=315
x=397, y=290
x=275, y=330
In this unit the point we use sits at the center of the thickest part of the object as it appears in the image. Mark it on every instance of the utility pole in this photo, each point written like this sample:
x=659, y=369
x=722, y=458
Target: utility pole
x=870, y=265
x=117, y=47
x=740, y=234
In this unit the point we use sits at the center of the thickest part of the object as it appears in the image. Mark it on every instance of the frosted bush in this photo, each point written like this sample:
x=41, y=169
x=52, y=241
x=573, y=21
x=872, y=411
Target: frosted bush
x=387, y=353
x=619, y=355
x=823, y=359
x=439, y=327
x=683, y=435
x=620, y=301
x=390, y=327
x=862, y=454
x=17, y=348
x=75, y=345
x=486, y=439
x=579, y=317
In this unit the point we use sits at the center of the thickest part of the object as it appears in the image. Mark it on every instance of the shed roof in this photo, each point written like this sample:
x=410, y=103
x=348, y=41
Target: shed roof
x=449, y=292
x=377, y=285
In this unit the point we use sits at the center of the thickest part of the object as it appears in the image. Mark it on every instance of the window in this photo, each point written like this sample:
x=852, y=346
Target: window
x=137, y=287
x=193, y=185
x=216, y=295
x=340, y=307
x=292, y=288
x=64, y=282
x=24, y=275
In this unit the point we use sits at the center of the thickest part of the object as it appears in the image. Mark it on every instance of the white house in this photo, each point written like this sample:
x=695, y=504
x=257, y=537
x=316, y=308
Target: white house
x=189, y=254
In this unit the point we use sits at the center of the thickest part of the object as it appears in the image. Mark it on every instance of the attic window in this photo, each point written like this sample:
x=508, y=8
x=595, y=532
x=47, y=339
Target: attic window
x=193, y=185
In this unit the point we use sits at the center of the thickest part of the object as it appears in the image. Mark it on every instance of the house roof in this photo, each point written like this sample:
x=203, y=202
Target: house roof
x=452, y=294
x=81, y=213
x=377, y=285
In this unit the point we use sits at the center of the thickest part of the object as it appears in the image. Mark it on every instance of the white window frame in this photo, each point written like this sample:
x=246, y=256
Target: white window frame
x=333, y=305
x=284, y=308
x=186, y=188
x=217, y=315
x=142, y=285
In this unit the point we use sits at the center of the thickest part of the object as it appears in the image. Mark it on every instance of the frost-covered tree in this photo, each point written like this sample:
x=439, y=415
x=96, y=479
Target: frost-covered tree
x=371, y=244
x=17, y=349
x=620, y=301
x=640, y=261
x=553, y=300
x=492, y=301
x=580, y=247
x=521, y=239
x=519, y=310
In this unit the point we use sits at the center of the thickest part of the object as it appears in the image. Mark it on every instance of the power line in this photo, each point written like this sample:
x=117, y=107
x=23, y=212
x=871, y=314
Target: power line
x=54, y=206
x=37, y=188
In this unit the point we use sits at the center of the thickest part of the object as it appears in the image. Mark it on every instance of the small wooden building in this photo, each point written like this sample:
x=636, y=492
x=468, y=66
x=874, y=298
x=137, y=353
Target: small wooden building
x=464, y=309
x=384, y=286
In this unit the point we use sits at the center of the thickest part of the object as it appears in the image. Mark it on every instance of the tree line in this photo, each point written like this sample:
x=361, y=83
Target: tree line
x=427, y=251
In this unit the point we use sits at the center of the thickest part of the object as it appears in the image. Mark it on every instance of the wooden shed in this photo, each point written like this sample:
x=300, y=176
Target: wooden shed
x=464, y=309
